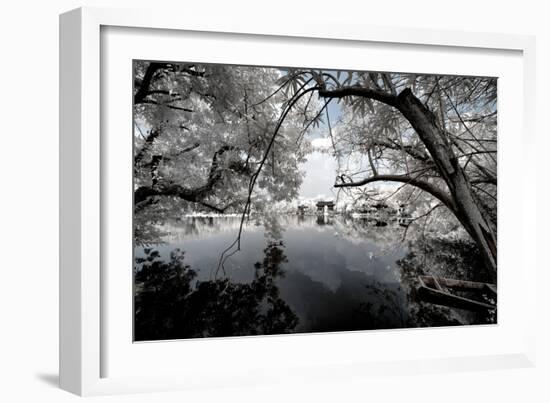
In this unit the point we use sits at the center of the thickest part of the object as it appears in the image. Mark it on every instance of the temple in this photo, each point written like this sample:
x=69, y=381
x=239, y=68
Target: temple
x=322, y=204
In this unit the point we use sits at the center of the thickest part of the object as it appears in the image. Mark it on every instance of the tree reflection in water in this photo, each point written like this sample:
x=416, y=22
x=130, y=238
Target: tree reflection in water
x=345, y=274
x=383, y=308
x=454, y=258
x=445, y=258
x=171, y=304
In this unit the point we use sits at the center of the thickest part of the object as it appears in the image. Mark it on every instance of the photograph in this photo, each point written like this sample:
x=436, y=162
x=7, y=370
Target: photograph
x=273, y=200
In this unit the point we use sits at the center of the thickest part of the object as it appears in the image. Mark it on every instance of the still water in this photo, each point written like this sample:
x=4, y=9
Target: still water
x=292, y=274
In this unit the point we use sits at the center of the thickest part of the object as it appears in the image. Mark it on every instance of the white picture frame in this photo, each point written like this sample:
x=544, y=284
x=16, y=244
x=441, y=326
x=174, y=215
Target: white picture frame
x=85, y=345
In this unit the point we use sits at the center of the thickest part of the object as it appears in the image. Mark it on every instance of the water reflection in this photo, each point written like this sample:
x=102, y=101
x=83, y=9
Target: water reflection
x=170, y=304
x=445, y=258
x=323, y=219
x=293, y=274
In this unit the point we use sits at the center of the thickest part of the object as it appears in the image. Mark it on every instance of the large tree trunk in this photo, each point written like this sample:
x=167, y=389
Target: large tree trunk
x=466, y=207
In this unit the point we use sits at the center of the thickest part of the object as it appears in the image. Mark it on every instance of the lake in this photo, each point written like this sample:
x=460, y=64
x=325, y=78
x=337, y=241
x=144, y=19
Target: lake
x=292, y=274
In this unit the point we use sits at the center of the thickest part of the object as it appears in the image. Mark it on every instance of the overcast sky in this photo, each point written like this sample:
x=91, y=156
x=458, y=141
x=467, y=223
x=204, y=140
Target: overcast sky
x=321, y=167
x=320, y=171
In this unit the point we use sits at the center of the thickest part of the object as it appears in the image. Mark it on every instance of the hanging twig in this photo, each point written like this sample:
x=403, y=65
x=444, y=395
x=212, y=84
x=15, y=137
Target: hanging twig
x=237, y=242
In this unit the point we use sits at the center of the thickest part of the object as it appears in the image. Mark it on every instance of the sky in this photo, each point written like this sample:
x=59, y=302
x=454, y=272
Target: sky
x=320, y=171
x=321, y=167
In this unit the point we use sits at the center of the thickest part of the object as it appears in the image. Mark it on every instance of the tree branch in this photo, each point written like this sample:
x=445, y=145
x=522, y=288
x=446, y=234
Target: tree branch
x=144, y=85
x=178, y=108
x=409, y=180
x=143, y=89
x=195, y=195
x=153, y=134
x=375, y=94
x=414, y=152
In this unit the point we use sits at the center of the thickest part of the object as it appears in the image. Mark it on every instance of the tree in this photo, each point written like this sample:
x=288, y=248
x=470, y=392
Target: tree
x=435, y=133
x=200, y=134
x=170, y=303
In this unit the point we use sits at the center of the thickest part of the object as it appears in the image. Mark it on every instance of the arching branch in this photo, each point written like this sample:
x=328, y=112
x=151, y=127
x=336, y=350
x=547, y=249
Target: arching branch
x=415, y=152
x=375, y=94
x=196, y=195
x=409, y=180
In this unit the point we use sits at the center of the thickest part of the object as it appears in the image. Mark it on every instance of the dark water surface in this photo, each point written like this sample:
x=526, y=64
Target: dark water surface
x=292, y=274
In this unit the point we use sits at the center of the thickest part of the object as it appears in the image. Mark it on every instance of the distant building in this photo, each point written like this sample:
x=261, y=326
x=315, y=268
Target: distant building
x=322, y=204
x=302, y=209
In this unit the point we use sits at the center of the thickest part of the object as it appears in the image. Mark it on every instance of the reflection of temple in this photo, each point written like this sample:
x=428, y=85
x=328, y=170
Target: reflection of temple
x=322, y=204
x=323, y=219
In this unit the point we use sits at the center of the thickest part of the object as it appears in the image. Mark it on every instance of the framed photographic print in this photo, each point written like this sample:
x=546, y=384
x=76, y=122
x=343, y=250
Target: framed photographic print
x=241, y=202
